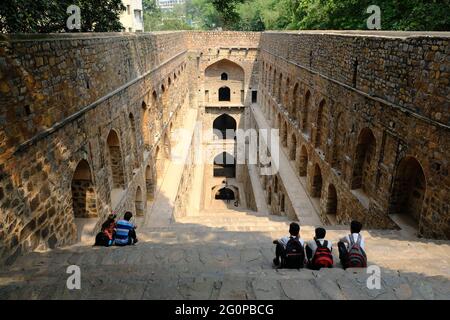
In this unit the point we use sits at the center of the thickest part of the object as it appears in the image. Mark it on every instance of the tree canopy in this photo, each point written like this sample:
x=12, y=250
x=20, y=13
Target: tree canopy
x=46, y=16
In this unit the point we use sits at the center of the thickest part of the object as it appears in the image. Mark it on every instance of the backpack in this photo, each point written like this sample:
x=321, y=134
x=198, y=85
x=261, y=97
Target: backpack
x=294, y=256
x=102, y=240
x=356, y=257
x=322, y=257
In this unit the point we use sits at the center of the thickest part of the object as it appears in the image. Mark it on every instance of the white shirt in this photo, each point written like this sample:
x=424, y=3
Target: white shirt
x=283, y=241
x=346, y=240
x=313, y=245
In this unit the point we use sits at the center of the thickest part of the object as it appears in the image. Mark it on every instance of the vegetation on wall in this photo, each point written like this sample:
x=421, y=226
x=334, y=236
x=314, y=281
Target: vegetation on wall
x=46, y=16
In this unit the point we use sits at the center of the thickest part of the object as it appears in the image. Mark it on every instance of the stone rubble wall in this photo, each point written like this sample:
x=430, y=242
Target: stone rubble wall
x=61, y=95
x=52, y=119
x=388, y=75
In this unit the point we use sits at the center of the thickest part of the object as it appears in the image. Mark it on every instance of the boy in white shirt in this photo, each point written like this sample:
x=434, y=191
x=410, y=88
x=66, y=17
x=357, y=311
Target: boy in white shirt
x=280, y=250
x=323, y=248
x=352, y=248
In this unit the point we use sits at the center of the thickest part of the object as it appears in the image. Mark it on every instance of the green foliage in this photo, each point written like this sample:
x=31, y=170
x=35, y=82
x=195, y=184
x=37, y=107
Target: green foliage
x=426, y=15
x=46, y=16
x=157, y=20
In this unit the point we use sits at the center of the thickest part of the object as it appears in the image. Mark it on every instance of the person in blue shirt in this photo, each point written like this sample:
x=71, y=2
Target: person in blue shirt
x=125, y=231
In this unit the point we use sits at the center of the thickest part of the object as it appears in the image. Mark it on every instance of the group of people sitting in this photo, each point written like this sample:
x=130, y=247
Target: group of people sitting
x=120, y=233
x=317, y=253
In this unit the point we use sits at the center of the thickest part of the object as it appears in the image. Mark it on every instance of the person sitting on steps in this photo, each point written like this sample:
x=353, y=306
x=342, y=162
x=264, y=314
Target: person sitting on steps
x=290, y=249
x=125, y=231
x=352, y=248
x=318, y=251
x=105, y=237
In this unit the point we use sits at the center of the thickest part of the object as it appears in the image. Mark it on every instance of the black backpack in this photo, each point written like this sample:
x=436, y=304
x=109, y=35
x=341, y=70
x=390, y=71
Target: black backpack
x=101, y=240
x=294, y=256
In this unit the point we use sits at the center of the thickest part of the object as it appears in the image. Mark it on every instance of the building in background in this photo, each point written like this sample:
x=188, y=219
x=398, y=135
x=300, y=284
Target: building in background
x=168, y=4
x=132, y=18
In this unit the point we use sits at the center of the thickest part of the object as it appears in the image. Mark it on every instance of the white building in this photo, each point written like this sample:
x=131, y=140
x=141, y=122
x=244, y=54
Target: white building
x=132, y=18
x=168, y=4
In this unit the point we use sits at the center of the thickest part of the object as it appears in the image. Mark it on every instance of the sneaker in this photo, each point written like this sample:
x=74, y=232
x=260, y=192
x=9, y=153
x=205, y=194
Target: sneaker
x=276, y=262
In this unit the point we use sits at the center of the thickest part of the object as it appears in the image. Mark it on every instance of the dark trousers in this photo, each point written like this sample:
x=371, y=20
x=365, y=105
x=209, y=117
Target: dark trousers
x=279, y=251
x=343, y=253
x=132, y=238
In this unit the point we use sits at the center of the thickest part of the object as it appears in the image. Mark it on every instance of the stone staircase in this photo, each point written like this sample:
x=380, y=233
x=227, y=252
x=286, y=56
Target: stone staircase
x=226, y=254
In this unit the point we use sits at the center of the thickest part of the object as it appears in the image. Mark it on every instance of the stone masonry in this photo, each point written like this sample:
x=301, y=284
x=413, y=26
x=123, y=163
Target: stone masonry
x=86, y=124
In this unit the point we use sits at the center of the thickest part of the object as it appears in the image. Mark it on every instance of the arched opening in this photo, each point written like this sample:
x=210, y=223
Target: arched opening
x=294, y=105
x=224, y=127
x=282, y=203
x=274, y=82
x=224, y=94
x=303, y=162
x=319, y=126
x=339, y=143
x=225, y=194
x=331, y=207
x=409, y=189
x=316, y=190
x=115, y=160
x=133, y=141
x=149, y=185
x=84, y=199
x=224, y=165
x=145, y=124
x=285, y=134
x=293, y=147
x=364, y=155
x=280, y=84
x=306, y=126
x=139, y=203
x=161, y=158
x=224, y=76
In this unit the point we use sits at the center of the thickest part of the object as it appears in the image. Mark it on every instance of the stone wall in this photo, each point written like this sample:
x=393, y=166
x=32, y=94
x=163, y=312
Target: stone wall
x=62, y=96
x=355, y=132
x=354, y=110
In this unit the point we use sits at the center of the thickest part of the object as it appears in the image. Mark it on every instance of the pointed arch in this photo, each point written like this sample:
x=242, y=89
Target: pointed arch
x=363, y=158
x=224, y=165
x=139, y=203
x=409, y=189
x=316, y=187
x=84, y=197
x=224, y=94
x=149, y=183
x=306, y=126
x=332, y=205
x=294, y=104
x=293, y=147
x=225, y=126
x=115, y=159
x=134, y=147
x=303, y=162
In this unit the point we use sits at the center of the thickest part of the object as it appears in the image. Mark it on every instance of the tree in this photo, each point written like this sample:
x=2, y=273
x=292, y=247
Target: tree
x=227, y=12
x=157, y=20
x=45, y=16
